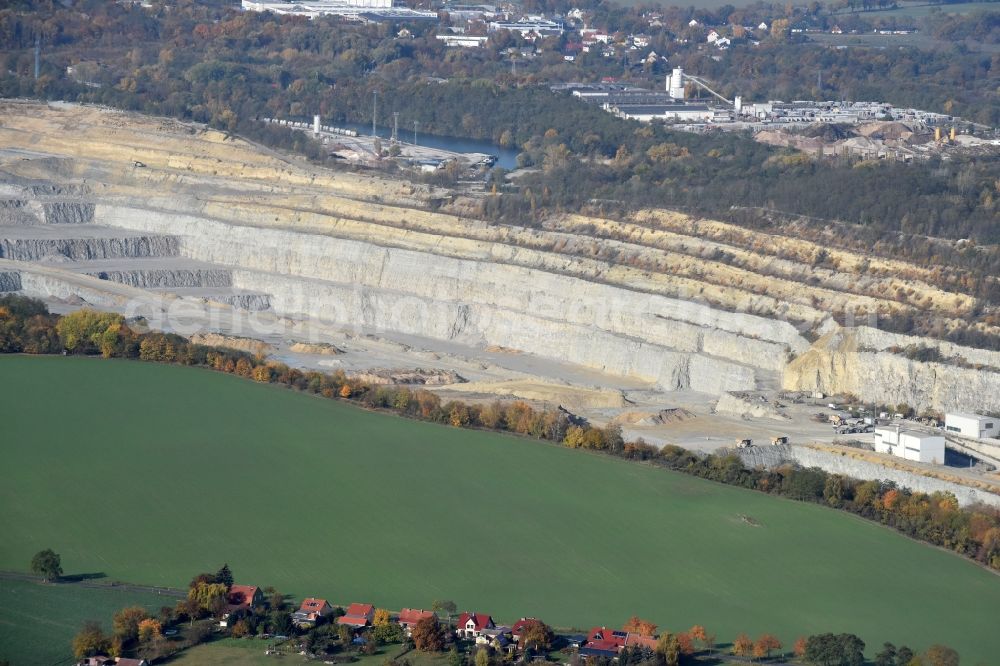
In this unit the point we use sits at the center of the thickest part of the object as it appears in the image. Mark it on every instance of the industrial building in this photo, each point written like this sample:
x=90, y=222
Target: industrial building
x=360, y=10
x=715, y=111
x=910, y=444
x=467, y=41
x=972, y=425
x=530, y=26
x=672, y=112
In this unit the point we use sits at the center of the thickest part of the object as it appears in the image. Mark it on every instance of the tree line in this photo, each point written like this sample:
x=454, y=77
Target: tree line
x=935, y=518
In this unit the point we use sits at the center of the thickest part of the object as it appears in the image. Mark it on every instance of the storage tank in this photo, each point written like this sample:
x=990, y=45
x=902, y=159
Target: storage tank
x=675, y=84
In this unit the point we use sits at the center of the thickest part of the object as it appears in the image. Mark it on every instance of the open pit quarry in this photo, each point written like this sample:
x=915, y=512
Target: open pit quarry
x=201, y=233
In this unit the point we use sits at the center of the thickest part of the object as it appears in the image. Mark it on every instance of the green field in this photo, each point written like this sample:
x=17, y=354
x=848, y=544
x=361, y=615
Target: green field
x=923, y=9
x=152, y=473
x=38, y=621
x=250, y=652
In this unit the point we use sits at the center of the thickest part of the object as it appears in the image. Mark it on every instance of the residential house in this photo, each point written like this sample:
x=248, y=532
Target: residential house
x=246, y=596
x=712, y=37
x=241, y=600
x=408, y=618
x=604, y=642
x=311, y=612
x=638, y=640
x=471, y=625
x=358, y=616
x=498, y=638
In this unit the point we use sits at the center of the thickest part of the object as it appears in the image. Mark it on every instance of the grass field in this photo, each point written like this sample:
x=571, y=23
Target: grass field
x=38, y=622
x=152, y=473
x=923, y=9
x=250, y=652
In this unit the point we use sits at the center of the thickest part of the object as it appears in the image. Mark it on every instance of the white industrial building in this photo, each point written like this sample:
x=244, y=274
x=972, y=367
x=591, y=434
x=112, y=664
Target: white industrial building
x=910, y=444
x=351, y=9
x=648, y=112
x=468, y=41
x=972, y=425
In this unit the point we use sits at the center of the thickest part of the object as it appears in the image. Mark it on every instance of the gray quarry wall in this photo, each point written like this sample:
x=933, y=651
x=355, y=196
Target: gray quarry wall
x=10, y=281
x=82, y=249
x=833, y=366
x=67, y=212
x=773, y=456
x=164, y=278
x=668, y=341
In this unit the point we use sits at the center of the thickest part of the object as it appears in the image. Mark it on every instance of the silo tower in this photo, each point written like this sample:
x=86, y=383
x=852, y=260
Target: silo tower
x=675, y=84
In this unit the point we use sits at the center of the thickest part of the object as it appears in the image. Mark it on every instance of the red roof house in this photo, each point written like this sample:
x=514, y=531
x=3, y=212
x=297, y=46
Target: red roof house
x=241, y=599
x=358, y=615
x=247, y=596
x=602, y=642
x=638, y=640
x=408, y=618
x=471, y=625
x=311, y=611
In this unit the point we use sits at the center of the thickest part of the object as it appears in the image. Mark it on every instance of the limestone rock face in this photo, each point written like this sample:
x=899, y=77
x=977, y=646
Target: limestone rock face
x=10, y=281
x=85, y=249
x=166, y=278
x=673, y=343
x=839, y=362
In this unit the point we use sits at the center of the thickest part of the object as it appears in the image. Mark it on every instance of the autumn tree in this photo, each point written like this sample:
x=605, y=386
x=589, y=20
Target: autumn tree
x=48, y=564
x=381, y=617
x=428, y=636
x=83, y=330
x=698, y=633
x=91, y=640
x=669, y=648
x=209, y=596
x=743, y=646
x=765, y=644
x=941, y=655
x=686, y=643
x=637, y=625
x=149, y=629
x=125, y=622
x=240, y=629
x=799, y=649
x=536, y=635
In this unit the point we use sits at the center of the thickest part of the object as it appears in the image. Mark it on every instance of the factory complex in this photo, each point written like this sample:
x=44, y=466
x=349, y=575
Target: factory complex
x=359, y=10
x=675, y=104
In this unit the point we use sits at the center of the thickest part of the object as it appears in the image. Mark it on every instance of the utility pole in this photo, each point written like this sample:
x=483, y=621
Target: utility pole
x=374, y=110
x=415, y=123
x=38, y=55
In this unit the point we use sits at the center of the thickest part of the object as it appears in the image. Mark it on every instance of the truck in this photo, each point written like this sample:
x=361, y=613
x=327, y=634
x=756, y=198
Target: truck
x=777, y=441
x=744, y=443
